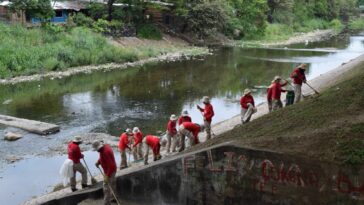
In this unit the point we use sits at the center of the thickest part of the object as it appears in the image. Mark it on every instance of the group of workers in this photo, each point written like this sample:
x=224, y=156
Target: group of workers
x=174, y=139
x=274, y=92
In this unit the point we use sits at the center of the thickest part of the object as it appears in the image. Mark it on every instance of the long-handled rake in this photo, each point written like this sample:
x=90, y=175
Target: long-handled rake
x=93, y=180
x=108, y=184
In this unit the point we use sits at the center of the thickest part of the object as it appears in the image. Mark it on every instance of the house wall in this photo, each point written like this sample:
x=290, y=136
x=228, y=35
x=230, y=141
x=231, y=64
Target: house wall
x=62, y=19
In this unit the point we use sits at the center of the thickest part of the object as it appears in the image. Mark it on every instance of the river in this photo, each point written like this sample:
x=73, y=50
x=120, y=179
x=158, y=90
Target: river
x=145, y=97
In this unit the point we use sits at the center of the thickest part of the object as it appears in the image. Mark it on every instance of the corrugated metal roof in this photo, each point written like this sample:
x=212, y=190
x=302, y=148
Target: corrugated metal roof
x=5, y=3
x=69, y=5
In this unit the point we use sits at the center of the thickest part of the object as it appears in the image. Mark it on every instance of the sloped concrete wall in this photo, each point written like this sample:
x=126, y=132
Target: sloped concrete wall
x=233, y=175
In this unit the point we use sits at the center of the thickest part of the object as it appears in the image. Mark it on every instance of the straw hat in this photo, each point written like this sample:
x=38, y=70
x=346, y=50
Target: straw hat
x=206, y=99
x=303, y=66
x=128, y=131
x=136, y=130
x=173, y=117
x=97, y=145
x=185, y=113
x=247, y=91
x=277, y=78
x=77, y=139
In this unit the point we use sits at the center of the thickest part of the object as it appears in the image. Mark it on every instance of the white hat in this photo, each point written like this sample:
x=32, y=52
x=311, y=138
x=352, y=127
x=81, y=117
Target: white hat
x=206, y=99
x=247, y=91
x=277, y=78
x=136, y=130
x=77, y=139
x=185, y=113
x=97, y=145
x=128, y=130
x=173, y=117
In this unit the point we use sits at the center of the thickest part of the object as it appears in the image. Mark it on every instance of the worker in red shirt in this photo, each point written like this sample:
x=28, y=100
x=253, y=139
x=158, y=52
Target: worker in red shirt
x=155, y=143
x=298, y=77
x=184, y=117
x=269, y=96
x=74, y=154
x=123, y=145
x=276, y=93
x=108, y=164
x=172, y=134
x=208, y=113
x=189, y=130
x=247, y=106
x=137, y=145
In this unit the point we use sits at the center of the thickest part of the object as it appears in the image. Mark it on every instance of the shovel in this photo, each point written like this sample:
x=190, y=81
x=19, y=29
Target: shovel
x=112, y=191
x=93, y=180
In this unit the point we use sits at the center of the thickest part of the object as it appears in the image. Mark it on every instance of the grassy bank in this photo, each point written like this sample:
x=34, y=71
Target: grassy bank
x=328, y=127
x=29, y=51
x=279, y=33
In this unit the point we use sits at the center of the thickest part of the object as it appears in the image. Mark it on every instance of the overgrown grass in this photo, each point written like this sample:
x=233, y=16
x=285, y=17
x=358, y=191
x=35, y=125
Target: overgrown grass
x=29, y=51
x=356, y=24
x=281, y=32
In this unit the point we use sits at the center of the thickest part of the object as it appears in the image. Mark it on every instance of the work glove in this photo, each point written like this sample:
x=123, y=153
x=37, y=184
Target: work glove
x=106, y=179
x=305, y=81
x=97, y=164
x=145, y=163
x=81, y=156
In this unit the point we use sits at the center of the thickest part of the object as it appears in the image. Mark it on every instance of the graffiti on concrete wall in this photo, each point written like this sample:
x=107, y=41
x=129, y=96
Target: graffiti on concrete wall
x=270, y=176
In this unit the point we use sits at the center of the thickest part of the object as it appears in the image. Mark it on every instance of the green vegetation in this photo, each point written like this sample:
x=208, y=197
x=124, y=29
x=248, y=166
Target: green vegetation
x=54, y=48
x=356, y=24
x=326, y=127
x=149, y=31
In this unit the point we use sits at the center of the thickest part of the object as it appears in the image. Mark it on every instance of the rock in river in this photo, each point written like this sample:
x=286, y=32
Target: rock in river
x=11, y=136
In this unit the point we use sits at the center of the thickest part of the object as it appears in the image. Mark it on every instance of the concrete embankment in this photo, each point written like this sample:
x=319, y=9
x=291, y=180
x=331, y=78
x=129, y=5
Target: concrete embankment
x=229, y=174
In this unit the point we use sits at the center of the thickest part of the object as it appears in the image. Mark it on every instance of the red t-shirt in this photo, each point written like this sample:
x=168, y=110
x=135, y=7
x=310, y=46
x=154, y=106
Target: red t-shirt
x=183, y=119
x=107, y=160
x=74, y=152
x=208, y=112
x=245, y=100
x=192, y=127
x=153, y=142
x=171, y=127
x=124, y=142
x=138, y=137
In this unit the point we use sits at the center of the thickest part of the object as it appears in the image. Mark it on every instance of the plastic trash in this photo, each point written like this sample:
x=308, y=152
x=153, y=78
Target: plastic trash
x=66, y=171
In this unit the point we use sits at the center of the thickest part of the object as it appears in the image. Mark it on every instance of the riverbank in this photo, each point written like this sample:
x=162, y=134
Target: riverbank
x=31, y=54
x=296, y=38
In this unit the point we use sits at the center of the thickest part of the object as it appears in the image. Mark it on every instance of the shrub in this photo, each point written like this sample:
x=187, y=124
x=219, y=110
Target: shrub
x=81, y=20
x=278, y=32
x=100, y=26
x=337, y=25
x=356, y=24
x=149, y=31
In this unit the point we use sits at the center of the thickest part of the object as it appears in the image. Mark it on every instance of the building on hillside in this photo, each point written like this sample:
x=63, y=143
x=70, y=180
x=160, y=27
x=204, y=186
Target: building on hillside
x=63, y=9
x=8, y=16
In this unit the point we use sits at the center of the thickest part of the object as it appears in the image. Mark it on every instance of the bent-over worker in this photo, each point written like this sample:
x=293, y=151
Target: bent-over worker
x=189, y=130
x=108, y=164
x=155, y=143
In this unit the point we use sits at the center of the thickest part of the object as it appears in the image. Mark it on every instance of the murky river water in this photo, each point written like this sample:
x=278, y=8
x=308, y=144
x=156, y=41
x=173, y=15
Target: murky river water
x=144, y=97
